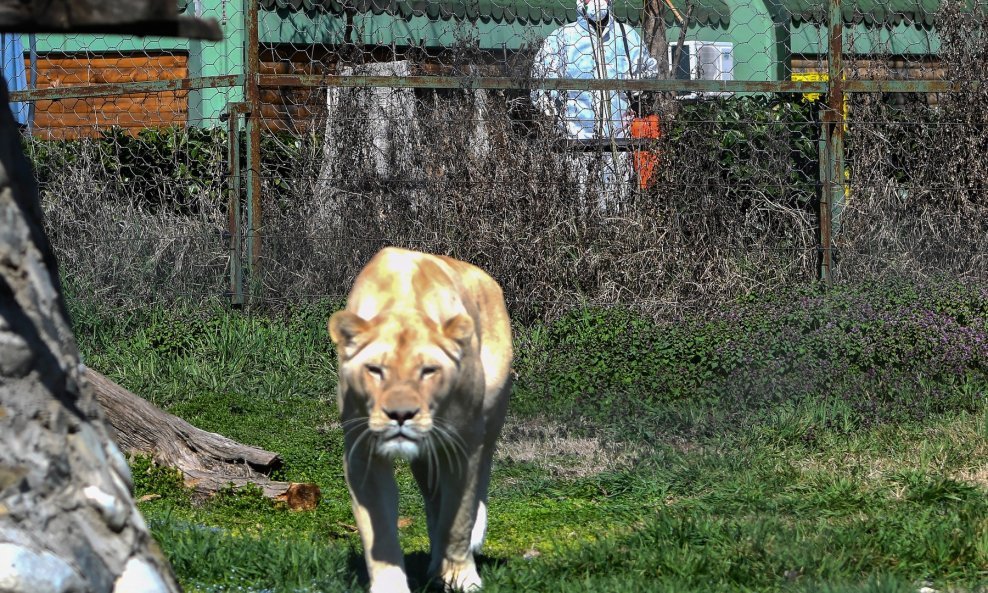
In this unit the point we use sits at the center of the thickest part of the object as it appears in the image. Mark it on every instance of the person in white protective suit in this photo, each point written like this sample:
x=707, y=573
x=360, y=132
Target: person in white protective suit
x=595, y=46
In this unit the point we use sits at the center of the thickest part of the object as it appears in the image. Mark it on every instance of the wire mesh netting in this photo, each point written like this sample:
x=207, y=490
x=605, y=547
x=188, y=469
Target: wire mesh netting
x=668, y=154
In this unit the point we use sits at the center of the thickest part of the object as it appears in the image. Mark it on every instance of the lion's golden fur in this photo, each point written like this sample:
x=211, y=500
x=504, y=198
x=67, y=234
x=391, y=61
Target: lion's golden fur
x=424, y=347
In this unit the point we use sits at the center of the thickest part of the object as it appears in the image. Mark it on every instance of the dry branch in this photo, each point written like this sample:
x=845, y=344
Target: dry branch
x=209, y=462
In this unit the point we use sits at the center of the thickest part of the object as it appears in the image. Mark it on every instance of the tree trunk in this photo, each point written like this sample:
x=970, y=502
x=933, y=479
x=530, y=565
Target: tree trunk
x=68, y=523
x=209, y=462
x=657, y=42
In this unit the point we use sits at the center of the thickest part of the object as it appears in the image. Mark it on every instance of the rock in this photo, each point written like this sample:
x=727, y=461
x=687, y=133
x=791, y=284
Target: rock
x=68, y=523
x=15, y=355
x=119, y=464
x=113, y=510
x=25, y=571
x=139, y=576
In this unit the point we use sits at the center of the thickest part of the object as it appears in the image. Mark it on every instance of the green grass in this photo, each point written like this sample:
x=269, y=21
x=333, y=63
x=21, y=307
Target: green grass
x=740, y=494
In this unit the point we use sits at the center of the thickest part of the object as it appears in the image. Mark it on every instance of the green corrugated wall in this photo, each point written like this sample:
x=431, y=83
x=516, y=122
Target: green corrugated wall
x=764, y=32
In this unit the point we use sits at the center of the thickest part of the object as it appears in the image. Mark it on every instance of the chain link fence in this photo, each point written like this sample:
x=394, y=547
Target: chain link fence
x=682, y=154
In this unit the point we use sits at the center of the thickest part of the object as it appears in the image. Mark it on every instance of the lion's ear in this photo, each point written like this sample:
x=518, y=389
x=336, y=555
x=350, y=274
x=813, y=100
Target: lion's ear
x=345, y=328
x=459, y=329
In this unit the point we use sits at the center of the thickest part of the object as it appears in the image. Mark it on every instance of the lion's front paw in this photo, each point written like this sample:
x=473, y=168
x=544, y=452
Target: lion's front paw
x=389, y=587
x=461, y=577
x=389, y=580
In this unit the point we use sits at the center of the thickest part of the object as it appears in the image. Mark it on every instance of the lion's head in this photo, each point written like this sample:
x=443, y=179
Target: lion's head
x=399, y=369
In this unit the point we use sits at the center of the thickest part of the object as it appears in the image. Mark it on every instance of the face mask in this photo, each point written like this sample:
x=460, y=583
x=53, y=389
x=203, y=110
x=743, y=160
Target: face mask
x=595, y=10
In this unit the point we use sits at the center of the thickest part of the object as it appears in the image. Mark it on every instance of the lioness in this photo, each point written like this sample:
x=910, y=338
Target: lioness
x=424, y=348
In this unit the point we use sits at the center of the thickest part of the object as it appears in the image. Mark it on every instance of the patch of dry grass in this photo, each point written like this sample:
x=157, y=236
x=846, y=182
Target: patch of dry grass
x=552, y=448
x=956, y=448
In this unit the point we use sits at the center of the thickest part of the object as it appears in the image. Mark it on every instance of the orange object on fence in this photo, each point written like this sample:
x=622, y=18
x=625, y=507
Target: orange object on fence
x=645, y=161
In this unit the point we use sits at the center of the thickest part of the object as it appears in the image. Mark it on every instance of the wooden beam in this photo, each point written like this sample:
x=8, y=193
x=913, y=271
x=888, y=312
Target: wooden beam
x=134, y=17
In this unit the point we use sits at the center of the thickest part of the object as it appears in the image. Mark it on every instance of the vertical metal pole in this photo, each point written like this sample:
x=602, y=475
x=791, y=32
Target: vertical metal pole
x=825, y=232
x=253, y=96
x=234, y=113
x=836, y=105
x=832, y=143
x=823, y=157
x=32, y=42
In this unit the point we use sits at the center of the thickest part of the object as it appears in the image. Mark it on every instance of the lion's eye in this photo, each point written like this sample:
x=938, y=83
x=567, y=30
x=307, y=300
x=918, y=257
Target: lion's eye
x=375, y=371
x=427, y=372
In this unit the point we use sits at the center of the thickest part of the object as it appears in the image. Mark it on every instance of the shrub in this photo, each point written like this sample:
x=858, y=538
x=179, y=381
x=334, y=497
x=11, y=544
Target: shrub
x=889, y=352
x=144, y=217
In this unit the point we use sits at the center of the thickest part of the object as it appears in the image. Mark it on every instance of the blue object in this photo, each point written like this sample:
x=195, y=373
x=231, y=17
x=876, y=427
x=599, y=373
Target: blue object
x=14, y=72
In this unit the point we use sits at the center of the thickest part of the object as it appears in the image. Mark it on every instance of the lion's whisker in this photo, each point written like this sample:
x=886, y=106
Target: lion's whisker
x=456, y=439
x=370, y=456
x=365, y=433
x=438, y=434
x=450, y=429
x=352, y=421
x=355, y=424
x=371, y=437
x=458, y=449
x=431, y=466
x=453, y=450
x=353, y=448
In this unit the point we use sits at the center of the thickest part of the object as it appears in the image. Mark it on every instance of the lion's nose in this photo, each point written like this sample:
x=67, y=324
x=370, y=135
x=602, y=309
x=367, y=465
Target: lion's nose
x=401, y=415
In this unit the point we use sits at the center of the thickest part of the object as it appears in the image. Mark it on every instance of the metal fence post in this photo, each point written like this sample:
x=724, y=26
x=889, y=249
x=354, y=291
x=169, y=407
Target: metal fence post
x=832, y=143
x=252, y=94
x=234, y=112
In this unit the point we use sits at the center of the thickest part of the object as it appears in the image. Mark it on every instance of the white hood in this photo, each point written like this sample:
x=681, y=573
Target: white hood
x=594, y=10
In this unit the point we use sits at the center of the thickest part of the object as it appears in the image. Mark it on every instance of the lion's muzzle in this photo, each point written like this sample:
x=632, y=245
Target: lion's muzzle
x=402, y=446
x=401, y=425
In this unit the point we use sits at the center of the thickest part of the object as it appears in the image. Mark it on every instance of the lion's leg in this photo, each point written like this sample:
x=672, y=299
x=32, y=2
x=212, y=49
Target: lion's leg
x=427, y=479
x=452, y=555
x=439, y=522
x=463, y=512
x=374, y=495
x=495, y=422
x=479, y=529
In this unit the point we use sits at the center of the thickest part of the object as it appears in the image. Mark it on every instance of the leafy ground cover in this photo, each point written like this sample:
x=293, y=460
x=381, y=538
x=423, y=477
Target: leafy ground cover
x=793, y=442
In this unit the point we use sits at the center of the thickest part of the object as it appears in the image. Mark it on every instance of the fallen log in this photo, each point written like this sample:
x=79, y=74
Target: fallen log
x=209, y=462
